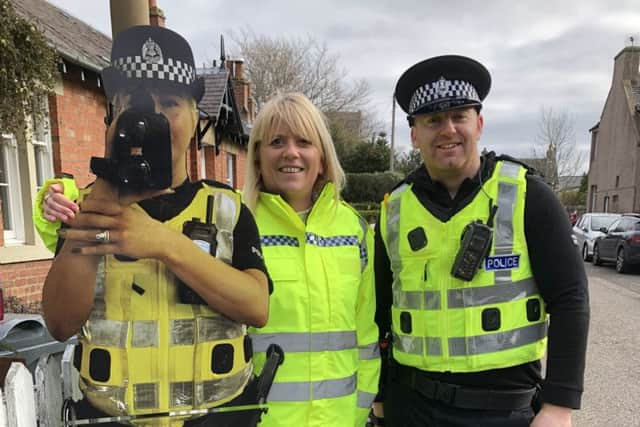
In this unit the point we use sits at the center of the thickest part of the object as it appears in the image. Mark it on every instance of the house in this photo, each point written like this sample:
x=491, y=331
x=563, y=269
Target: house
x=614, y=164
x=73, y=131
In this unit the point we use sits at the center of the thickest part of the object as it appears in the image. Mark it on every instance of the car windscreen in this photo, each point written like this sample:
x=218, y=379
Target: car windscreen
x=597, y=222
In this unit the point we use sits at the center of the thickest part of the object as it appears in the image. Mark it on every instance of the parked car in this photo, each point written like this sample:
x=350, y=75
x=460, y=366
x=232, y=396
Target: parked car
x=620, y=244
x=587, y=230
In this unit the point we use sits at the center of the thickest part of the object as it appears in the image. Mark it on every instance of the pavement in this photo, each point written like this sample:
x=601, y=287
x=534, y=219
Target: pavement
x=612, y=380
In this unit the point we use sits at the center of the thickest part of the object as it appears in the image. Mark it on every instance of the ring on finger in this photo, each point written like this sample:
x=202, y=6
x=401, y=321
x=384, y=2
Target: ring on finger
x=102, y=236
x=46, y=197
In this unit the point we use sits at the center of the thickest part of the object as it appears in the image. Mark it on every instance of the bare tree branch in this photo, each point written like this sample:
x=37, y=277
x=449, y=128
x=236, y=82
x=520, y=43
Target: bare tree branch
x=556, y=143
x=302, y=65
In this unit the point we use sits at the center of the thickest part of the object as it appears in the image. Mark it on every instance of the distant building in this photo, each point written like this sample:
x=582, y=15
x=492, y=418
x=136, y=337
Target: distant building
x=348, y=121
x=614, y=164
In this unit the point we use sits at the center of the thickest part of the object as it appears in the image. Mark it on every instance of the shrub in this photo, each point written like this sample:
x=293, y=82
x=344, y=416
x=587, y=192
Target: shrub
x=369, y=187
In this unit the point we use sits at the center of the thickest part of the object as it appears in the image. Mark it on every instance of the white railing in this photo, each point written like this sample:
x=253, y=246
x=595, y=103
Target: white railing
x=36, y=400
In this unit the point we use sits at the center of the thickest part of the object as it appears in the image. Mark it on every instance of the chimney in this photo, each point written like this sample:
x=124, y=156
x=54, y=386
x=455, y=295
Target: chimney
x=627, y=63
x=236, y=68
x=156, y=15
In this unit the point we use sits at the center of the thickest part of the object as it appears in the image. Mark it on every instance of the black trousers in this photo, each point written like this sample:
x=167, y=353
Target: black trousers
x=406, y=407
x=228, y=419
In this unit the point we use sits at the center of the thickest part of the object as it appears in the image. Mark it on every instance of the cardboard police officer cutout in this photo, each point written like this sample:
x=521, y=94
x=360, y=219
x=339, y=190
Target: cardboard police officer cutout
x=442, y=83
x=145, y=60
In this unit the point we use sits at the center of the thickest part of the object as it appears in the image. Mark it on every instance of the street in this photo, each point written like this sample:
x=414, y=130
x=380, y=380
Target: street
x=612, y=383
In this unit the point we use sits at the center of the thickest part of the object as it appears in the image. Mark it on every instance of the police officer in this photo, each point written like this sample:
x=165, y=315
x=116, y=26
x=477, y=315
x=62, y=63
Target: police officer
x=476, y=273
x=162, y=322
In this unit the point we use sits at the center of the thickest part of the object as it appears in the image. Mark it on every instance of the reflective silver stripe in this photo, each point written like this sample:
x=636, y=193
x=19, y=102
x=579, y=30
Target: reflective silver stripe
x=393, y=242
x=504, y=226
x=145, y=396
x=182, y=332
x=489, y=343
x=434, y=346
x=144, y=333
x=107, y=333
x=493, y=294
x=369, y=352
x=510, y=169
x=215, y=390
x=297, y=342
x=217, y=328
x=416, y=300
x=181, y=394
x=365, y=399
x=364, y=253
x=415, y=345
x=226, y=214
x=308, y=390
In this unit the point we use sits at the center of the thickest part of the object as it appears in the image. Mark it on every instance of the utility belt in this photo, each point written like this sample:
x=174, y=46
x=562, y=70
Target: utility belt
x=462, y=396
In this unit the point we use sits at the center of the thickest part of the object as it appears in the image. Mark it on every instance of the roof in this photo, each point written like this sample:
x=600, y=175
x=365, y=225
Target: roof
x=74, y=40
x=215, y=82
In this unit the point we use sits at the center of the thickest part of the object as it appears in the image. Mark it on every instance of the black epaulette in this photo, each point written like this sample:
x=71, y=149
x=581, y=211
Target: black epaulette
x=530, y=169
x=217, y=184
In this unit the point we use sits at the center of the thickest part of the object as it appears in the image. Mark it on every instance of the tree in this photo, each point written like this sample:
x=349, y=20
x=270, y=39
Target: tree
x=27, y=69
x=365, y=156
x=556, y=143
x=294, y=64
x=408, y=161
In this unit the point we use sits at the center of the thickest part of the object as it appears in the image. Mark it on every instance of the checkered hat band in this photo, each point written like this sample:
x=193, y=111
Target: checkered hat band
x=173, y=71
x=441, y=90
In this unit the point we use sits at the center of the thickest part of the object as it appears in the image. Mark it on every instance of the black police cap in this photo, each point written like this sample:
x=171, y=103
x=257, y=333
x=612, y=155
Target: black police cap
x=154, y=57
x=442, y=83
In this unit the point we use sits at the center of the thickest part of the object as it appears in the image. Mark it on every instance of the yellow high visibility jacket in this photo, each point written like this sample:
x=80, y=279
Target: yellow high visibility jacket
x=142, y=351
x=441, y=323
x=321, y=313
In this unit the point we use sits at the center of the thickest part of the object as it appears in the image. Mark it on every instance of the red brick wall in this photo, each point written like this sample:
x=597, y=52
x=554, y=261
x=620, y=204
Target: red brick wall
x=77, y=133
x=24, y=280
x=77, y=125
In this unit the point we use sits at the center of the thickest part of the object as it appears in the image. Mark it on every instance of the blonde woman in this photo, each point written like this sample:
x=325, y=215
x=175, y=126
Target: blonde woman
x=319, y=254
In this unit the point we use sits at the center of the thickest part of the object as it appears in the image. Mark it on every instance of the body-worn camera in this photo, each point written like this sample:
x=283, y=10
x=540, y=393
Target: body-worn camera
x=140, y=157
x=476, y=242
x=204, y=235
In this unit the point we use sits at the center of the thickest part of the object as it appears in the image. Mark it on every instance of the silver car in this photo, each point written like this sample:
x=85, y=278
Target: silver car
x=587, y=230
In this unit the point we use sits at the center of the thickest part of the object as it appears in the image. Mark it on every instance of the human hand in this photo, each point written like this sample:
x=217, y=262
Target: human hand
x=103, y=227
x=58, y=207
x=552, y=416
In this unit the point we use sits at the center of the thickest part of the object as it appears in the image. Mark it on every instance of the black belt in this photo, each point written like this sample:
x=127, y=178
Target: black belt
x=461, y=396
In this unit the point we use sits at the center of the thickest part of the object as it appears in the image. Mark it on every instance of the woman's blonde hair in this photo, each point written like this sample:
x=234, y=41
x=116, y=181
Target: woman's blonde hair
x=305, y=121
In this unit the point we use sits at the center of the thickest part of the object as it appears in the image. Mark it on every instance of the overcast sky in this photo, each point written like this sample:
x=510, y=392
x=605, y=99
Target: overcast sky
x=540, y=54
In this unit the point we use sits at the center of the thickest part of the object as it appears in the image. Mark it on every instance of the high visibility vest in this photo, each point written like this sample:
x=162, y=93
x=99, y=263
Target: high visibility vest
x=144, y=352
x=320, y=312
x=441, y=323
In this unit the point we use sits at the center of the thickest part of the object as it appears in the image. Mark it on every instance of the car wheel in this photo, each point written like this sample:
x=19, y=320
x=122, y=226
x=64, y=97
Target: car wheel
x=621, y=263
x=596, y=256
x=585, y=253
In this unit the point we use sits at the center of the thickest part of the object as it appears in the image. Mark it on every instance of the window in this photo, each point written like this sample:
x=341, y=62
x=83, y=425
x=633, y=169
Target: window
x=21, y=171
x=617, y=180
x=605, y=204
x=10, y=190
x=231, y=170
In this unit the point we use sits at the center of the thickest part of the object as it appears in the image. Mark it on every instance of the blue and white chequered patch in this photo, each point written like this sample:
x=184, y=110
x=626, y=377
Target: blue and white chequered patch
x=279, y=240
x=442, y=89
x=314, y=239
x=135, y=67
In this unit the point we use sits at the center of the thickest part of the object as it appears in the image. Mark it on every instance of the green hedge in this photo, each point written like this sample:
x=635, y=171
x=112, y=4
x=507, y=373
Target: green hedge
x=369, y=187
x=365, y=191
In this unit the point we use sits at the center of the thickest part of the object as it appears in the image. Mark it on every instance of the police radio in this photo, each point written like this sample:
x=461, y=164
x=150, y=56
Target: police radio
x=476, y=243
x=203, y=234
